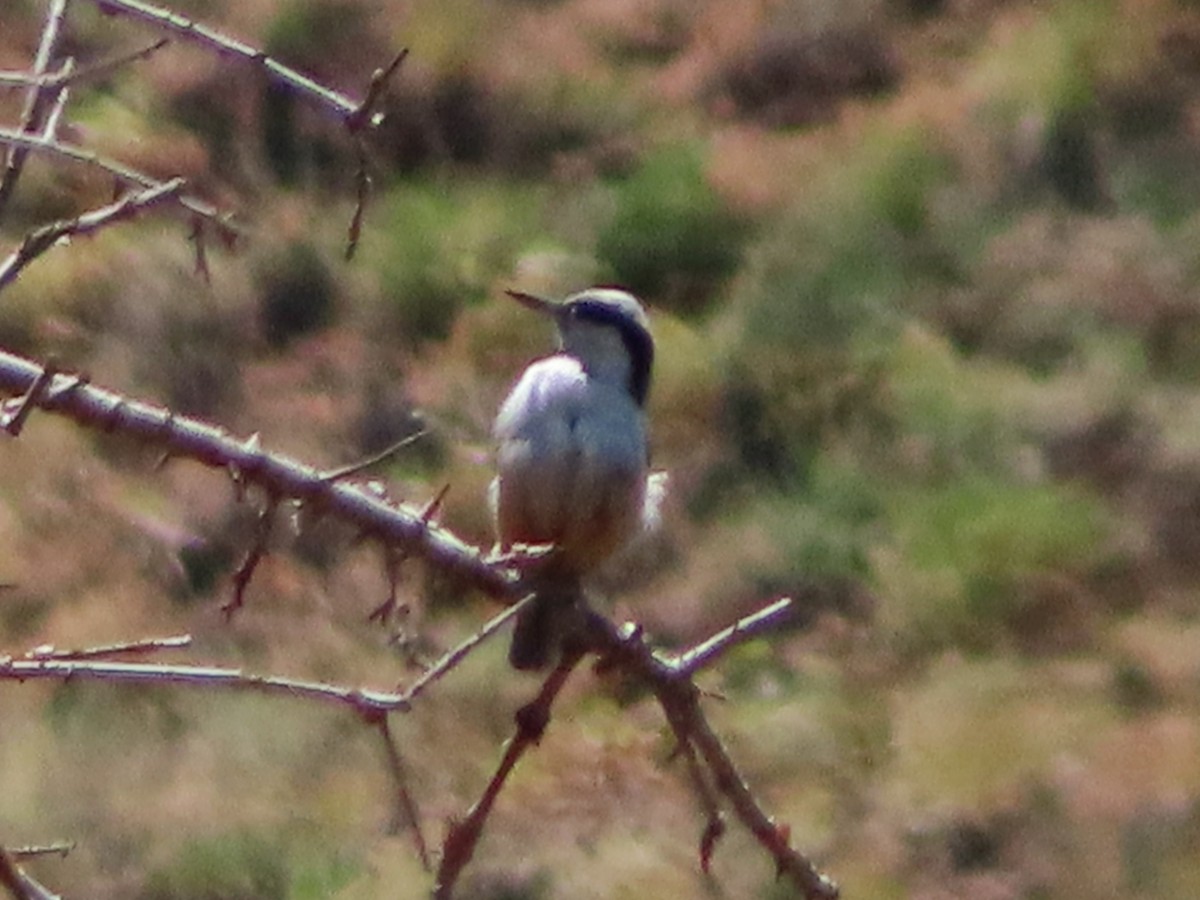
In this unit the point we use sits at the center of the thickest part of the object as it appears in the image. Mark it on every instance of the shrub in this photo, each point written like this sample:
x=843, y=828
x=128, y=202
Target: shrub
x=672, y=238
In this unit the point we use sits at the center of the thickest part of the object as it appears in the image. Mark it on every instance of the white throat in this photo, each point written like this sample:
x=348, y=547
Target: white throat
x=600, y=349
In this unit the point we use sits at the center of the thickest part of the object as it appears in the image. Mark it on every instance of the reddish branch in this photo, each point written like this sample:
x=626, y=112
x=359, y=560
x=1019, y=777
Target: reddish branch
x=671, y=681
x=463, y=836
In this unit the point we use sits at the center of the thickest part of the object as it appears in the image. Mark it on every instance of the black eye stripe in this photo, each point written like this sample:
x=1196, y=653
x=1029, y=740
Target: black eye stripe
x=634, y=335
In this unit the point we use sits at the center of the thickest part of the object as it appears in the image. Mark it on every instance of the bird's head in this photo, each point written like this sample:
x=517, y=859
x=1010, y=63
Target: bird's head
x=607, y=330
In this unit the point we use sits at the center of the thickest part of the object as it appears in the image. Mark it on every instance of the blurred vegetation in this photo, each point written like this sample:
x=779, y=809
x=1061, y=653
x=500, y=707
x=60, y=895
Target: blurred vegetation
x=923, y=278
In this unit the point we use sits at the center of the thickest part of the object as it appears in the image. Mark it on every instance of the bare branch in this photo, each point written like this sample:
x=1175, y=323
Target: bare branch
x=36, y=143
x=59, y=848
x=366, y=703
x=186, y=29
x=393, y=559
x=36, y=101
x=106, y=66
x=50, y=128
x=363, y=116
x=41, y=240
x=356, y=123
x=714, y=822
x=355, y=468
x=14, y=422
x=146, y=645
x=680, y=700
x=406, y=812
x=459, y=653
x=263, y=526
x=706, y=653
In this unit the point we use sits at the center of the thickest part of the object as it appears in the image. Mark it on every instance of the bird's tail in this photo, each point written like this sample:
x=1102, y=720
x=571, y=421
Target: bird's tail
x=541, y=627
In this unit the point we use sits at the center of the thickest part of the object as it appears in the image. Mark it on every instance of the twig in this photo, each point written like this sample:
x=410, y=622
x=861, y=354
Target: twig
x=70, y=74
x=356, y=467
x=366, y=703
x=264, y=524
x=189, y=30
x=705, y=654
x=463, y=836
x=105, y=66
x=60, y=102
x=459, y=653
x=714, y=822
x=390, y=607
x=41, y=240
x=406, y=812
x=35, y=101
x=196, y=237
x=59, y=848
x=770, y=834
x=14, y=422
x=36, y=143
x=363, y=116
x=145, y=645
x=355, y=124
x=393, y=559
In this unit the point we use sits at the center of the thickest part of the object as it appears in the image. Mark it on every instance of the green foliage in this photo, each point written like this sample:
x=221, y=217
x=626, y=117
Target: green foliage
x=114, y=714
x=671, y=239
x=822, y=534
x=449, y=244
x=953, y=417
x=857, y=244
x=235, y=866
x=969, y=551
x=824, y=298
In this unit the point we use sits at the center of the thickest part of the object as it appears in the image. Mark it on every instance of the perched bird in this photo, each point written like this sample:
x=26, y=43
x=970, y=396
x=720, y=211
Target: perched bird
x=572, y=456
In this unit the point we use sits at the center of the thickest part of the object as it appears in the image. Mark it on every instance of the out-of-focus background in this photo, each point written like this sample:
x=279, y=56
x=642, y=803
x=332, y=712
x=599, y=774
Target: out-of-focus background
x=923, y=277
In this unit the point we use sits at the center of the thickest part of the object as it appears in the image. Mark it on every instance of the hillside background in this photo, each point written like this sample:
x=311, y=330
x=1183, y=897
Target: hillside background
x=925, y=281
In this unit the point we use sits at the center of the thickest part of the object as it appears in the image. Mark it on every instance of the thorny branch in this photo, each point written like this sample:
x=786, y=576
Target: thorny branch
x=42, y=239
x=40, y=99
x=360, y=505
x=223, y=222
x=69, y=74
x=670, y=679
x=463, y=836
x=186, y=29
x=406, y=812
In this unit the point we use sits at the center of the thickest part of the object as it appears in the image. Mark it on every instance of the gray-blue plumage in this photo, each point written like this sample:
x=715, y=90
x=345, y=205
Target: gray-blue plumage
x=572, y=456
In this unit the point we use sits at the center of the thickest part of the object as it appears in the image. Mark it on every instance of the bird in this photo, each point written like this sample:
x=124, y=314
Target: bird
x=572, y=457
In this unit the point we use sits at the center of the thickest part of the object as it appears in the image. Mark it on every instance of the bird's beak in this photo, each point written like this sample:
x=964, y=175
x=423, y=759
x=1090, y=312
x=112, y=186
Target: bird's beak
x=537, y=304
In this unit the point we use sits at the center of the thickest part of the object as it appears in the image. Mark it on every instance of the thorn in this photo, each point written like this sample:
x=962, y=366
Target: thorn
x=434, y=506
x=713, y=832
x=15, y=422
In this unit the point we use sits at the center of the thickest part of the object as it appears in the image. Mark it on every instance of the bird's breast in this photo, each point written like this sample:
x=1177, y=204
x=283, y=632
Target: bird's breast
x=571, y=460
